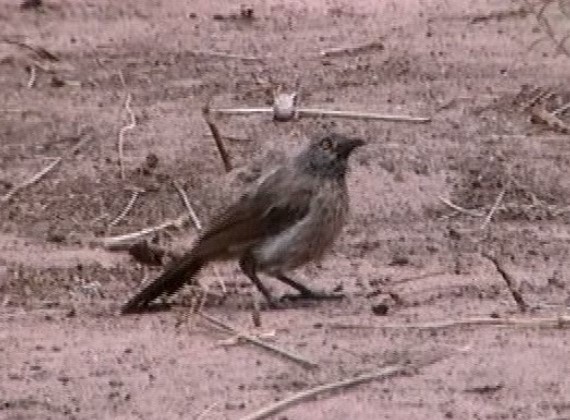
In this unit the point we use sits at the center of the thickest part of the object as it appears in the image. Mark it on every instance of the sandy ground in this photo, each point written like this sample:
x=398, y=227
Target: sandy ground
x=405, y=258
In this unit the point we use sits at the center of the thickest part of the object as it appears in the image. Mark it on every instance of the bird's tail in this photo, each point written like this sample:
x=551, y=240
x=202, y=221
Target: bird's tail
x=176, y=274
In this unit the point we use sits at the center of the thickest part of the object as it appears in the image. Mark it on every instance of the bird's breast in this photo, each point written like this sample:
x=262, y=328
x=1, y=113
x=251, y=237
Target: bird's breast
x=310, y=237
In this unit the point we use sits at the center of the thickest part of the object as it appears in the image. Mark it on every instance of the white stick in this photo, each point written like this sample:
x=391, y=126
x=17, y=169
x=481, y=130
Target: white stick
x=115, y=241
x=310, y=112
x=463, y=210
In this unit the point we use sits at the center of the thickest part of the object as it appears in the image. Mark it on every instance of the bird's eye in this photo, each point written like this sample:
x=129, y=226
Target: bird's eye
x=326, y=144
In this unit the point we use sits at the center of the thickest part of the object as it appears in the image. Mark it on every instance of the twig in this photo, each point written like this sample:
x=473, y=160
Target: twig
x=134, y=195
x=386, y=372
x=316, y=113
x=516, y=294
x=306, y=112
x=132, y=124
x=206, y=112
x=39, y=175
x=455, y=207
x=33, y=76
x=226, y=55
x=561, y=321
x=285, y=353
x=119, y=241
x=494, y=208
x=186, y=201
x=352, y=48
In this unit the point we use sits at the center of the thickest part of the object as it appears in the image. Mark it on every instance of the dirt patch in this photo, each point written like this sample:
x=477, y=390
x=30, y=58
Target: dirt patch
x=406, y=256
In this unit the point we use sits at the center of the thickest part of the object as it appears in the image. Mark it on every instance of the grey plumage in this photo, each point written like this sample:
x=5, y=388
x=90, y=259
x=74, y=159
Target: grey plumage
x=291, y=218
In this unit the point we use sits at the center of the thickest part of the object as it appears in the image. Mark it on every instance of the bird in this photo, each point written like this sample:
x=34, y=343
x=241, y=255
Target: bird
x=291, y=217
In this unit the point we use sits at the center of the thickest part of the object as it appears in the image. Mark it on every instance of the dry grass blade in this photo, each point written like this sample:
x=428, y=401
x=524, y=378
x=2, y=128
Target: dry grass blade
x=386, y=372
x=473, y=213
x=41, y=174
x=282, y=352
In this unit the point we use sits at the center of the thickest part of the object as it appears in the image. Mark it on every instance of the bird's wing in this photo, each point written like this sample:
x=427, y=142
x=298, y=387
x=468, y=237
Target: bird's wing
x=280, y=201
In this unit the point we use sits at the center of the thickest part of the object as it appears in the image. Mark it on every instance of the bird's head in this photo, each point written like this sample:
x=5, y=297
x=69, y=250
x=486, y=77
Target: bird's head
x=328, y=155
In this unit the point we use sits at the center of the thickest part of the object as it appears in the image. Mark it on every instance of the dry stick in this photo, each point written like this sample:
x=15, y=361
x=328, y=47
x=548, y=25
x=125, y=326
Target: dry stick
x=285, y=353
x=557, y=322
x=134, y=195
x=206, y=112
x=386, y=372
x=494, y=208
x=517, y=296
x=352, y=48
x=132, y=124
x=463, y=210
x=316, y=113
x=38, y=176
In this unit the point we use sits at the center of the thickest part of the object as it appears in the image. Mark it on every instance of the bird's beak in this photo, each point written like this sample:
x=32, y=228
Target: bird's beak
x=350, y=144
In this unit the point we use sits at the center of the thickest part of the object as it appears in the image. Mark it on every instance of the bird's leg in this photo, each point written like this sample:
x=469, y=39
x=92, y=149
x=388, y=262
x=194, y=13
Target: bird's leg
x=248, y=267
x=304, y=291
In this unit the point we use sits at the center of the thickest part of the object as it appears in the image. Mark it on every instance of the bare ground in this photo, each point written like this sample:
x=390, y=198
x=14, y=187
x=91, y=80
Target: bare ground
x=65, y=353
